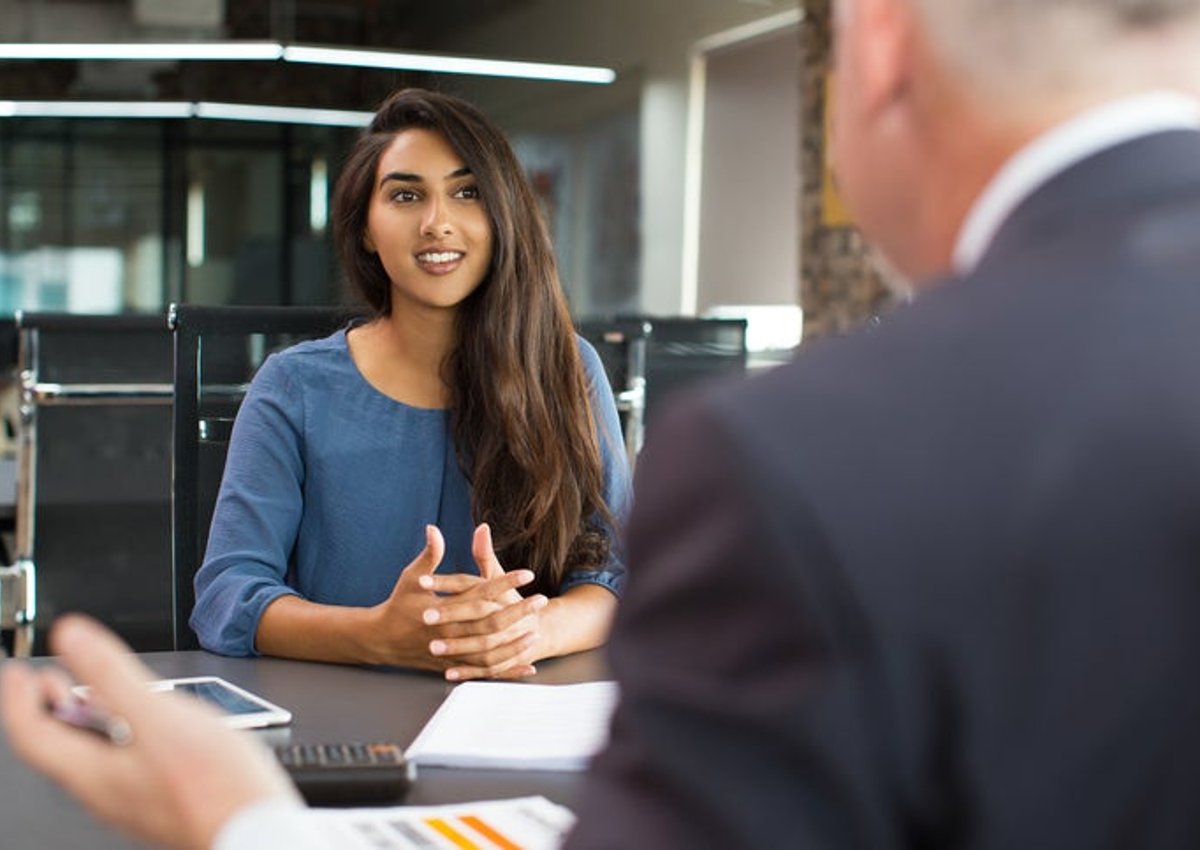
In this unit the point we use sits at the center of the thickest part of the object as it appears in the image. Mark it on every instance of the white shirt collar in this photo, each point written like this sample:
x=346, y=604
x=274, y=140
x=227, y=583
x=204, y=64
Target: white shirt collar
x=1055, y=151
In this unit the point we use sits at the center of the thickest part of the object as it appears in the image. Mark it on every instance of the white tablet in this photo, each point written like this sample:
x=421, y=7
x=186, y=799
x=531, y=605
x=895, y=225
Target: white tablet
x=241, y=709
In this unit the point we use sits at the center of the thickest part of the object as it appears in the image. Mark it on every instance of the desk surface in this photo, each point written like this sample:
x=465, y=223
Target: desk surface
x=328, y=703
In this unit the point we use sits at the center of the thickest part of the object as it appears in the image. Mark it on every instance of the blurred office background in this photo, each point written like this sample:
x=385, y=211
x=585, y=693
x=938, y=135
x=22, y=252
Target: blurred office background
x=691, y=185
x=672, y=191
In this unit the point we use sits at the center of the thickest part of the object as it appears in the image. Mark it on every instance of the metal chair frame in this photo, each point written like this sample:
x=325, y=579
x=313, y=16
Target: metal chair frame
x=18, y=581
x=629, y=337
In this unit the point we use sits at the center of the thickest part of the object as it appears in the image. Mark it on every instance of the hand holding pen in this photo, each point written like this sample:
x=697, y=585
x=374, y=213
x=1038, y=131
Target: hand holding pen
x=171, y=782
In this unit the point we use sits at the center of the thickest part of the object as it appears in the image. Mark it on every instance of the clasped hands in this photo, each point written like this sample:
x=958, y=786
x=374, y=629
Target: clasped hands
x=471, y=627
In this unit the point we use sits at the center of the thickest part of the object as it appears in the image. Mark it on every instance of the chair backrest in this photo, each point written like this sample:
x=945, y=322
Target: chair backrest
x=217, y=351
x=648, y=358
x=684, y=349
x=93, y=472
x=621, y=345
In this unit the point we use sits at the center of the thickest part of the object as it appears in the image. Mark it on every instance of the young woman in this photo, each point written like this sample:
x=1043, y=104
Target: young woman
x=437, y=487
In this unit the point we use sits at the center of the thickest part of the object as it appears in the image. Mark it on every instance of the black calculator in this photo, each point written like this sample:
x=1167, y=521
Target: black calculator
x=347, y=774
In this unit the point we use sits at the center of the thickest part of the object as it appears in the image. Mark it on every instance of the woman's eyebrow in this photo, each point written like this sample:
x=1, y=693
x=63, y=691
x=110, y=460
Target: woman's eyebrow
x=407, y=177
x=401, y=177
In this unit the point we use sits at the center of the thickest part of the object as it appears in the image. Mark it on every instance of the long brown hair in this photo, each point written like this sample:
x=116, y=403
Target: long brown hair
x=519, y=401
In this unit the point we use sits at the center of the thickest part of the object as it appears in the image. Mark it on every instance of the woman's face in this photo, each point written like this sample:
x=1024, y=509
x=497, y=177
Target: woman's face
x=427, y=223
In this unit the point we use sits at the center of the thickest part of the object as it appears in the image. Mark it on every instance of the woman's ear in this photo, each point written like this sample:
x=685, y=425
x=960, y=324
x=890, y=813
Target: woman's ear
x=368, y=243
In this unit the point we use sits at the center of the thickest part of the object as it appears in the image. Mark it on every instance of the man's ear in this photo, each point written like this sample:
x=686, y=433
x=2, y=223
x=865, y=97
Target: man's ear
x=883, y=50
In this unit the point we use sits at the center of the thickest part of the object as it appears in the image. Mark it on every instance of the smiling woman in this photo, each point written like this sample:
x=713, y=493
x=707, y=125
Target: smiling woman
x=426, y=222
x=465, y=431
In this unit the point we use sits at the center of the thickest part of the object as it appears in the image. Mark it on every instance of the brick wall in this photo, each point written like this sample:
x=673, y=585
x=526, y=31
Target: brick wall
x=840, y=285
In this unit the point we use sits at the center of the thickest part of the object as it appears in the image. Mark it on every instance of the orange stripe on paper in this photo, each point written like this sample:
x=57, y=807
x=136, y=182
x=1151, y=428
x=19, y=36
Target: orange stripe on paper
x=488, y=832
x=451, y=834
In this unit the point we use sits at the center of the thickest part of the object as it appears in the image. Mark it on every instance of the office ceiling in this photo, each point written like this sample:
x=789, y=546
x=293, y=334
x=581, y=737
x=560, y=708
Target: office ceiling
x=400, y=24
x=411, y=24
x=641, y=39
x=418, y=25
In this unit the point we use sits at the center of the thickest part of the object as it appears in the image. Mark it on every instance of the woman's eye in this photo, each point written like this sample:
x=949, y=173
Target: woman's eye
x=468, y=192
x=404, y=195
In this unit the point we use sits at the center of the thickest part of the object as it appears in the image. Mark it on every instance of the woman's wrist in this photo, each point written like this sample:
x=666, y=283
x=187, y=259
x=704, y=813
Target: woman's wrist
x=577, y=620
x=295, y=628
x=364, y=628
x=384, y=641
x=550, y=626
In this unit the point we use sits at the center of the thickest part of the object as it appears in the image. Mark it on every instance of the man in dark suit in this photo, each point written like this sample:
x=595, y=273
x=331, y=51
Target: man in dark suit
x=935, y=585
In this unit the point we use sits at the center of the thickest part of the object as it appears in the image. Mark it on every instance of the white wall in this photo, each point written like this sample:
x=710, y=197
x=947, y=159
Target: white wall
x=750, y=181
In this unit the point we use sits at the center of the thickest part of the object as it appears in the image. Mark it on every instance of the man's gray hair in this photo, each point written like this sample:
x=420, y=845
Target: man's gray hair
x=1067, y=48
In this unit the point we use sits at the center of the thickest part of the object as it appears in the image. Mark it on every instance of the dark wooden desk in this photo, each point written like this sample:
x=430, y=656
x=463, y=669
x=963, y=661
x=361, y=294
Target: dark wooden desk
x=328, y=703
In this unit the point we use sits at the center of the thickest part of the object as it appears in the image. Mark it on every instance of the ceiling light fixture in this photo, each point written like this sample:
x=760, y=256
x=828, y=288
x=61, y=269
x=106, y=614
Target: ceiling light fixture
x=447, y=64
x=215, y=51
x=182, y=109
x=94, y=109
x=307, y=54
x=281, y=114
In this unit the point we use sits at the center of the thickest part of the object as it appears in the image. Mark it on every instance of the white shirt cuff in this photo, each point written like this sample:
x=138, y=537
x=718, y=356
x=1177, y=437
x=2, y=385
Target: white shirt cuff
x=271, y=824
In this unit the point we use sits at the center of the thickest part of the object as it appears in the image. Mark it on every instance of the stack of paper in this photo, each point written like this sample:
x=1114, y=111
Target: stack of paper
x=526, y=823
x=517, y=726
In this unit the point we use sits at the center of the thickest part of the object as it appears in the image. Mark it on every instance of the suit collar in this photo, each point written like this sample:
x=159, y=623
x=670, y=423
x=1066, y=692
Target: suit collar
x=1144, y=171
x=1076, y=140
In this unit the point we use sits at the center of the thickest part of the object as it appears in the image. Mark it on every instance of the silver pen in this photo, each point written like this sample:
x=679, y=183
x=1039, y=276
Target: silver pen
x=84, y=716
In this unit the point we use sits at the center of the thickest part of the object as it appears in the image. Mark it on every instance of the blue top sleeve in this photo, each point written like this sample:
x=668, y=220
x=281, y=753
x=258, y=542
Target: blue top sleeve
x=257, y=517
x=329, y=484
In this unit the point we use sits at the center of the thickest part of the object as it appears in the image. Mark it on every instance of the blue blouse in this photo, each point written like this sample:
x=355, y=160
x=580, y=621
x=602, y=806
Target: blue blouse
x=329, y=485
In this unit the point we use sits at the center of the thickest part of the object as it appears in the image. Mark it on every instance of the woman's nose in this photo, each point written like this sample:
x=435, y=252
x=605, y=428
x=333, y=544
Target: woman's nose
x=437, y=219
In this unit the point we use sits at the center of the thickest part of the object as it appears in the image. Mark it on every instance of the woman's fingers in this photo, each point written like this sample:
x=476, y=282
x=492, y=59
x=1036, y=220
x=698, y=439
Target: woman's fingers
x=514, y=623
x=493, y=582
x=475, y=617
x=485, y=649
x=460, y=584
x=421, y=567
x=513, y=660
x=484, y=553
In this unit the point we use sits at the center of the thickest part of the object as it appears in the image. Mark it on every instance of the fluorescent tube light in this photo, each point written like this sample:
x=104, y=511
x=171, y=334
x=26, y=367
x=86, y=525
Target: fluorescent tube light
x=282, y=114
x=136, y=50
x=446, y=64
x=180, y=109
x=94, y=109
x=308, y=54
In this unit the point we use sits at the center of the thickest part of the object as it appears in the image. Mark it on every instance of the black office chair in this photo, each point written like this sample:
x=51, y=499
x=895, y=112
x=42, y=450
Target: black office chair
x=93, y=472
x=621, y=345
x=652, y=357
x=217, y=351
x=683, y=350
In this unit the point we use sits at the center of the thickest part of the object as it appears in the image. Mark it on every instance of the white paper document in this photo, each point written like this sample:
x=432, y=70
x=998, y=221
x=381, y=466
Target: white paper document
x=526, y=823
x=517, y=726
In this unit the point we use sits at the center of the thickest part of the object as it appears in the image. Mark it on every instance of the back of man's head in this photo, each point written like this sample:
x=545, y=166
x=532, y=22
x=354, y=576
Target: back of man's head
x=933, y=96
x=1067, y=49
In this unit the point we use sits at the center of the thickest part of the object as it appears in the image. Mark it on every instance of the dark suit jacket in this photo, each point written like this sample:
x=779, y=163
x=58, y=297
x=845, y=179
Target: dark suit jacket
x=936, y=585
